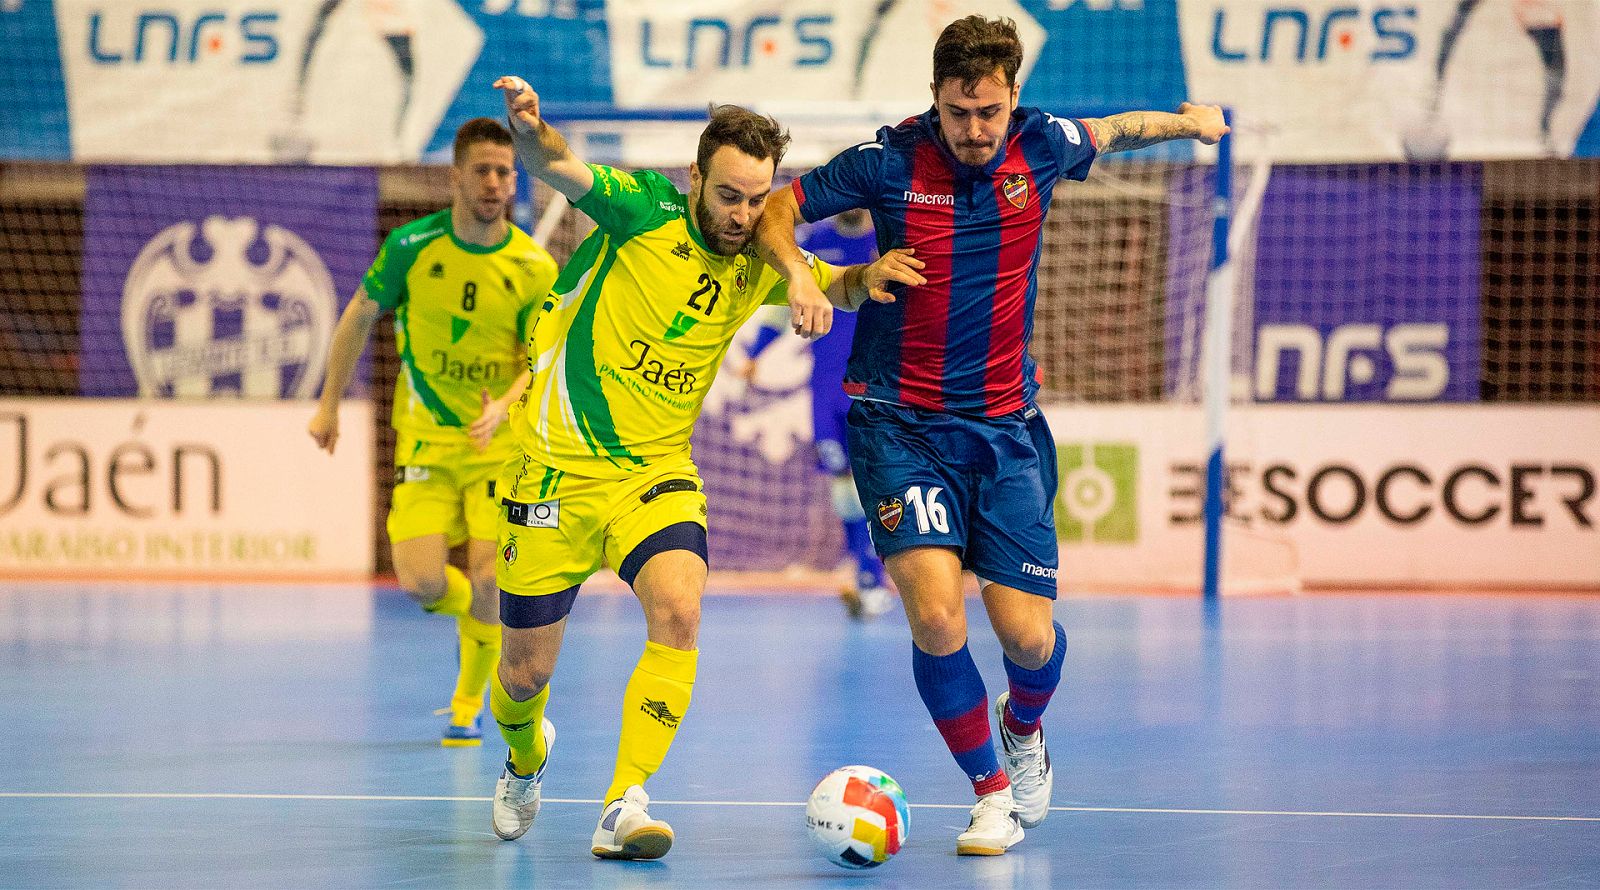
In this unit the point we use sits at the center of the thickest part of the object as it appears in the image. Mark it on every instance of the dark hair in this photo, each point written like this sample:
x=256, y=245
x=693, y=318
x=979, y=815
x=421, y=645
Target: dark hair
x=757, y=135
x=479, y=129
x=970, y=49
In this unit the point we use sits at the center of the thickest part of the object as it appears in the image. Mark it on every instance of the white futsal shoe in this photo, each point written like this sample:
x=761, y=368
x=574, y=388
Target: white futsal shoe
x=516, y=799
x=1027, y=762
x=867, y=603
x=994, y=829
x=626, y=830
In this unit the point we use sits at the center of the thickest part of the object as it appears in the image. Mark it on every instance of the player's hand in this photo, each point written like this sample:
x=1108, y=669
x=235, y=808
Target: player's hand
x=898, y=265
x=324, y=428
x=810, y=313
x=522, y=104
x=1207, y=121
x=480, y=431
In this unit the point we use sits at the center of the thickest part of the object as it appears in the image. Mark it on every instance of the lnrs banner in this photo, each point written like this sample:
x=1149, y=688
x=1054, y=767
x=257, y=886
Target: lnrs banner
x=383, y=81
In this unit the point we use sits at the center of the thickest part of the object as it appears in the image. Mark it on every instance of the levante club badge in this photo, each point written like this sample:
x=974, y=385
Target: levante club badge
x=889, y=512
x=1015, y=188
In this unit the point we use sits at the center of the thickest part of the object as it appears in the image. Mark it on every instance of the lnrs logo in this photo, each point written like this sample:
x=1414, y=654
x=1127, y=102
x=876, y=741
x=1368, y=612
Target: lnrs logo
x=1098, y=496
x=1350, y=354
x=159, y=35
x=717, y=42
x=1294, y=33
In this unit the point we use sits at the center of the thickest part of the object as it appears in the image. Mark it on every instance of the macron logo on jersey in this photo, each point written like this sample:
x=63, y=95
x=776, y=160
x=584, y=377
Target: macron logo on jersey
x=935, y=200
x=1067, y=127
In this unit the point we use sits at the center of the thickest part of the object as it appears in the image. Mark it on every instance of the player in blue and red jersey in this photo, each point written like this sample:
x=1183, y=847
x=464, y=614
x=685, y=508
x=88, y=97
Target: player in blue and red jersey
x=845, y=240
x=951, y=455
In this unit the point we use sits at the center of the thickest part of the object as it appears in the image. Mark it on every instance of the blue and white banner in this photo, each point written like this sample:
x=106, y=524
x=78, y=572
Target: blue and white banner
x=384, y=81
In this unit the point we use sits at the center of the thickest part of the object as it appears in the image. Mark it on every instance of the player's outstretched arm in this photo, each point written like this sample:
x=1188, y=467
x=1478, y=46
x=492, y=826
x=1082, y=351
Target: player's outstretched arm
x=349, y=339
x=871, y=281
x=1141, y=129
x=810, y=312
x=540, y=146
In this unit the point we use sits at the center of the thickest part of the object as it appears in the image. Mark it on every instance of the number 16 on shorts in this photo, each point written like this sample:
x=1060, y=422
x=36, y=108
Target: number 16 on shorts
x=926, y=508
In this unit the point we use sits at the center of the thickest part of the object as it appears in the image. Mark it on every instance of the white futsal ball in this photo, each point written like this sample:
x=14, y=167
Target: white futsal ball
x=858, y=816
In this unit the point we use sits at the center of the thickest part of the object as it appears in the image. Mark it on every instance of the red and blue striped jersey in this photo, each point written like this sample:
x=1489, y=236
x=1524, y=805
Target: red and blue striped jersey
x=960, y=342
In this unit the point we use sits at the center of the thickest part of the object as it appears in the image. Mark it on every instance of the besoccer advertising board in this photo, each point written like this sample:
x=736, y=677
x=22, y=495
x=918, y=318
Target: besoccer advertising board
x=1412, y=496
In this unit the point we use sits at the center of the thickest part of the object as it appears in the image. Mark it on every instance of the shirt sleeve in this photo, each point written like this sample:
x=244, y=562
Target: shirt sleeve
x=625, y=204
x=850, y=181
x=385, y=281
x=1071, y=146
x=822, y=273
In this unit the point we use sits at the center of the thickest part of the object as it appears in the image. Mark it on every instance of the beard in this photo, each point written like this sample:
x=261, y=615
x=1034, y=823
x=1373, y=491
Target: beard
x=975, y=155
x=497, y=213
x=709, y=230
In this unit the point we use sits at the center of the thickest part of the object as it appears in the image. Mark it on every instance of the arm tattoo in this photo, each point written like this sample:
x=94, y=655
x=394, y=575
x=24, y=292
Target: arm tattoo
x=1138, y=129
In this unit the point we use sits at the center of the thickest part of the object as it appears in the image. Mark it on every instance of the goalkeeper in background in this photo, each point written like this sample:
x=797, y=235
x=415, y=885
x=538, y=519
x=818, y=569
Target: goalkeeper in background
x=463, y=284
x=623, y=353
x=845, y=239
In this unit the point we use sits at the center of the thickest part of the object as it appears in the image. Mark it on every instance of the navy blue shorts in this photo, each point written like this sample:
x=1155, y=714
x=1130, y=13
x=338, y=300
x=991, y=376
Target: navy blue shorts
x=984, y=486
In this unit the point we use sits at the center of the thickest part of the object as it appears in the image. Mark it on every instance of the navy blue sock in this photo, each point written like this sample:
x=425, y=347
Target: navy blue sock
x=952, y=689
x=1031, y=690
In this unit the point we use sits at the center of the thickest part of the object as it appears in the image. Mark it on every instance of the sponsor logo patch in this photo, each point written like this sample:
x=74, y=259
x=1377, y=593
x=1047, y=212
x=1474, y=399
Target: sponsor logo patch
x=682, y=251
x=545, y=514
x=890, y=511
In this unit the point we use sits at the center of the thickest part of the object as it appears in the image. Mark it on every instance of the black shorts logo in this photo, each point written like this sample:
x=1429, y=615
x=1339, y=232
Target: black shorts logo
x=659, y=711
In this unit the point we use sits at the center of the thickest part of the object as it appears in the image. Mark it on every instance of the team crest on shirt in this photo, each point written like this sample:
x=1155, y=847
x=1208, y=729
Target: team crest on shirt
x=1015, y=188
x=508, y=553
x=890, y=510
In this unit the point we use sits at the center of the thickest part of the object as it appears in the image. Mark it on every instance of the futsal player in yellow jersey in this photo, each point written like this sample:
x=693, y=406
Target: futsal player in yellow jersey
x=463, y=284
x=623, y=352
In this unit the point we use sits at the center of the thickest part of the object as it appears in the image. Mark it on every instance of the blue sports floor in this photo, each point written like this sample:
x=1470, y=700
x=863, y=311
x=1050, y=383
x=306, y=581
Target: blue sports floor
x=259, y=736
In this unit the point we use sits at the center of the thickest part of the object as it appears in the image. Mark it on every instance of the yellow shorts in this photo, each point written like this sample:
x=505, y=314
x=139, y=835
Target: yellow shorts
x=443, y=488
x=558, y=528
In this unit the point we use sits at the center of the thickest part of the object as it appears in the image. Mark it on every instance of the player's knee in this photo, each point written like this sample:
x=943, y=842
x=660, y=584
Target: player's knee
x=674, y=619
x=524, y=673
x=424, y=587
x=1029, y=647
x=939, y=629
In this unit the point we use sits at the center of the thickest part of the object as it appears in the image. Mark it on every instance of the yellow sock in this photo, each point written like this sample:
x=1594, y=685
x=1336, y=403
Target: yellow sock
x=520, y=725
x=656, y=698
x=457, y=598
x=480, y=652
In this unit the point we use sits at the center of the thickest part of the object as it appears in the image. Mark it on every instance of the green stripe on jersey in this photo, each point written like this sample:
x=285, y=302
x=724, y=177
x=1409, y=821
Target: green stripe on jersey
x=589, y=403
x=419, y=382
